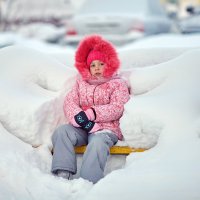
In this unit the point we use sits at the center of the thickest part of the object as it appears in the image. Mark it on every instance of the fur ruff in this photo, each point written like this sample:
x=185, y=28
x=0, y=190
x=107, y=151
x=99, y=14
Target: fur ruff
x=96, y=42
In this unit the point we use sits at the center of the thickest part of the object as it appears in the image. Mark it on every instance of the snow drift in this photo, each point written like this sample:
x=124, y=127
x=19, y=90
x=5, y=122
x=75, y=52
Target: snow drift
x=31, y=93
x=163, y=113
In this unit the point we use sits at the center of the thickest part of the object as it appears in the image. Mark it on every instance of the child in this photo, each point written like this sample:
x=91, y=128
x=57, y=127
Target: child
x=93, y=107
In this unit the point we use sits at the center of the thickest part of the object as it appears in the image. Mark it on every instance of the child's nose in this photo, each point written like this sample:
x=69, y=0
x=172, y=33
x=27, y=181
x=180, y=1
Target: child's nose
x=97, y=66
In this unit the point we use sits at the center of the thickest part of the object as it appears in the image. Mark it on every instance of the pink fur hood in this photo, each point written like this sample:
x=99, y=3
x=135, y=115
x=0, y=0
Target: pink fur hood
x=97, y=43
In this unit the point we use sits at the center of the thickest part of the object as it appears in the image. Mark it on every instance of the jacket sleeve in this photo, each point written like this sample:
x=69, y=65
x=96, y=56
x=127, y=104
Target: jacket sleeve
x=114, y=110
x=71, y=104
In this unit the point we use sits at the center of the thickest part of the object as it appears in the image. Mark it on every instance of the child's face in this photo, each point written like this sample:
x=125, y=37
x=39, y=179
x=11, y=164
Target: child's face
x=97, y=68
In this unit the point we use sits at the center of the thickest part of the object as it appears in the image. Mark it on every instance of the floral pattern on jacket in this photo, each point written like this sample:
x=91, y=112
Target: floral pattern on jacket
x=107, y=99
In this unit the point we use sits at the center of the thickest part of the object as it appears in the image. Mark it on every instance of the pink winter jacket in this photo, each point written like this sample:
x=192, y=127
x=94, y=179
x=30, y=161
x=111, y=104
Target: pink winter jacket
x=107, y=99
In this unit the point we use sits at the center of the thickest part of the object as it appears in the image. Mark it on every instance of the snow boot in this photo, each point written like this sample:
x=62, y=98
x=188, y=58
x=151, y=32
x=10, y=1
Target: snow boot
x=64, y=174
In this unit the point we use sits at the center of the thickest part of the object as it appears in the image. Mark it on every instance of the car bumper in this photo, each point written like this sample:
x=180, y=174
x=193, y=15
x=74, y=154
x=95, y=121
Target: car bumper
x=115, y=39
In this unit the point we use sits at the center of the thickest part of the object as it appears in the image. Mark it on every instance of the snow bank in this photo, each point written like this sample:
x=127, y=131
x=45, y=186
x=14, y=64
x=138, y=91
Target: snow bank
x=156, y=49
x=163, y=111
x=167, y=41
x=25, y=173
x=36, y=84
x=31, y=90
x=133, y=57
x=160, y=92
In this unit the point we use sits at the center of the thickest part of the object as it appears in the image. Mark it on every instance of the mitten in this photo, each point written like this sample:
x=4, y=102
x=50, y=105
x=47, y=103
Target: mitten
x=81, y=119
x=91, y=127
x=95, y=128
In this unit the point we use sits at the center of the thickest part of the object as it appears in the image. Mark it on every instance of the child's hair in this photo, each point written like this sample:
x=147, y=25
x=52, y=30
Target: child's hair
x=95, y=47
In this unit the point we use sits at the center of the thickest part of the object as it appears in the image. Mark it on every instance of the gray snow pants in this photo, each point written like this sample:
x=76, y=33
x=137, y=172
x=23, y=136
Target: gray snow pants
x=66, y=137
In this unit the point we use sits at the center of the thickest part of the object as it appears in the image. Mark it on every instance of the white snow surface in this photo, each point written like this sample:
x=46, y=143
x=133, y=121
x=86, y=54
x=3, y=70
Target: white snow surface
x=162, y=114
x=172, y=40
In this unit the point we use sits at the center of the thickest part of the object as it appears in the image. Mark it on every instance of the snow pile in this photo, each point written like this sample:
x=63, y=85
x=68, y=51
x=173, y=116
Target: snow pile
x=42, y=31
x=157, y=49
x=39, y=93
x=166, y=41
x=164, y=113
x=9, y=38
x=132, y=57
x=169, y=88
x=31, y=89
x=24, y=173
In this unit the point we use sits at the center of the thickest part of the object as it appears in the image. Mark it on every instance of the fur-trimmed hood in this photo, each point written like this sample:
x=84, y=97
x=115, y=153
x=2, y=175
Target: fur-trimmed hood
x=97, y=43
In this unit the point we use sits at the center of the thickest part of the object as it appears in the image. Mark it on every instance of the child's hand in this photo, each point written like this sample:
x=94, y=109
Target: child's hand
x=81, y=119
x=91, y=127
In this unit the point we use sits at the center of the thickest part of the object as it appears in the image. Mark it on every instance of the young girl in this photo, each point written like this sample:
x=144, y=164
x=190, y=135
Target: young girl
x=93, y=107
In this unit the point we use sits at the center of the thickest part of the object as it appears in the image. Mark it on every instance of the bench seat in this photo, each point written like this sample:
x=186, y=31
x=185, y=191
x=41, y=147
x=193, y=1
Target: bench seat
x=120, y=150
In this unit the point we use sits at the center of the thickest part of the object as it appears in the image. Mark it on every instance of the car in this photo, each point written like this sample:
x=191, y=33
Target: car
x=191, y=23
x=120, y=21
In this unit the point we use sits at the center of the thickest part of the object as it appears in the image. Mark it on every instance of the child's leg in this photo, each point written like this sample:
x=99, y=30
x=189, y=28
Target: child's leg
x=64, y=139
x=96, y=155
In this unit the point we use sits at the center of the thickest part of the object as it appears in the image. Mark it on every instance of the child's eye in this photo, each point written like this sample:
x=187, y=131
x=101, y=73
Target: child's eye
x=102, y=64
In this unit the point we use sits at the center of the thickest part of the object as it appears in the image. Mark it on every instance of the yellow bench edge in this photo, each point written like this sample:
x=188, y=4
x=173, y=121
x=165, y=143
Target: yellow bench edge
x=123, y=150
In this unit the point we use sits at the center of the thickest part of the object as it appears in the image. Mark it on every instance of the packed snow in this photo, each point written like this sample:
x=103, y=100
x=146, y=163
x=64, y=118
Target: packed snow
x=162, y=115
